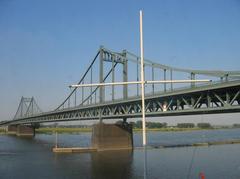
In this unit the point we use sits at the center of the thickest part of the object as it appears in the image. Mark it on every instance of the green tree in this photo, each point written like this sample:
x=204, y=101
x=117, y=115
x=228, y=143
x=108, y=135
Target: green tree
x=138, y=124
x=204, y=125
x=185, y=125
x=236, y=125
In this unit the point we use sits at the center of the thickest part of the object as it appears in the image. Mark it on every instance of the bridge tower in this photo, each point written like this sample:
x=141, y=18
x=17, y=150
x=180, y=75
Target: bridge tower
x=27, y=107
x=107, y=57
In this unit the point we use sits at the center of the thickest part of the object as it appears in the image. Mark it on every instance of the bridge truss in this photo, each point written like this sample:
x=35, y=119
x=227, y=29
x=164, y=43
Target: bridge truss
x=221, y=95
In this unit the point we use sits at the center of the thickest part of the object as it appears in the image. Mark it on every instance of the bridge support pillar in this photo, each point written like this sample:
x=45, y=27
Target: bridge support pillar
x=25, y=131
x=12, y=129
x=125, y=75
x=112, y=136
x=101, y=76
x=193, y=78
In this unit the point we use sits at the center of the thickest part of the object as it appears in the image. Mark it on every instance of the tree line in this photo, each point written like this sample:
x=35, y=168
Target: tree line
x=138, y=124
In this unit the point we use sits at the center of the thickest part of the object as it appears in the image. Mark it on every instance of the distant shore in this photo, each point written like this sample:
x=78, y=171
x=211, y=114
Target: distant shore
x=63, y=130
x=79, y=130
x=49, y=130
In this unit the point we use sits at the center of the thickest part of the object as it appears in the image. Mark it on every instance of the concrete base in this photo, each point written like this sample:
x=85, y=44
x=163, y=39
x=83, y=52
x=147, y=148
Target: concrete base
x=112, y=136
x=12, y=130
x=73, y=150
x=25, y=131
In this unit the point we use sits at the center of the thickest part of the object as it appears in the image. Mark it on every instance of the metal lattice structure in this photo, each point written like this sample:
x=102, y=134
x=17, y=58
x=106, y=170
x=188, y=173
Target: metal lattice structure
x=221, y=95
x=27, y=107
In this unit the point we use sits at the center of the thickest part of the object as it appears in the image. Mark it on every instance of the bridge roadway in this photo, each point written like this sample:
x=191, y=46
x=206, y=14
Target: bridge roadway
x=212, y=98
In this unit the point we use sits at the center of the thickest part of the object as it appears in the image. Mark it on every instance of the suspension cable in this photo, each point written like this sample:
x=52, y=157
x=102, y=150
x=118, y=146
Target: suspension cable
x=79, y=81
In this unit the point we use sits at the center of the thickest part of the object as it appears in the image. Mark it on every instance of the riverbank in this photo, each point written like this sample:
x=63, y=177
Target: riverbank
x=2, y=131
x=172, y=129
x=63, y=130
x=79, y=130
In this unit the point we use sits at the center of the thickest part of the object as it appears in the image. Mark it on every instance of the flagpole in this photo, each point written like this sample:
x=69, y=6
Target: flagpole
x=142, y=82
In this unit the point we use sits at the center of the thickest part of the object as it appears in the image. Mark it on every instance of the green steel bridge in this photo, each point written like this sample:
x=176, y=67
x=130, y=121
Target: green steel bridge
x=220, y=95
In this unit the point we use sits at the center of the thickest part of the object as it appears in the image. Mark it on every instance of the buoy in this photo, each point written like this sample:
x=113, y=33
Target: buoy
x=201, y=175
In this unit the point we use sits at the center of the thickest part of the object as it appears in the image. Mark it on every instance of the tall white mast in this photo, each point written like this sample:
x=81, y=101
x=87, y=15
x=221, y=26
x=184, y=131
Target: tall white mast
x=142, y=82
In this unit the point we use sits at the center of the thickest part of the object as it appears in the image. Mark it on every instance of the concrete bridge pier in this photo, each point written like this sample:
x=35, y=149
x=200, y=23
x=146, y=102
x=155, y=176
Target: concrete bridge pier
x=112, y=136
x=12, y=130
x=21, y=130
x=25, y=131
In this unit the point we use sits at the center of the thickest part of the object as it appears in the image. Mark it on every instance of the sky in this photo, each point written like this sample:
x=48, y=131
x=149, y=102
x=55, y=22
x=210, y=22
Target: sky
x=47, y=45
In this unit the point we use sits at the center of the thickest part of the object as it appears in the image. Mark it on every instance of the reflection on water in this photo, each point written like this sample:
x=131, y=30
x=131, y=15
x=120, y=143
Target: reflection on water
x=112, y=164
x=145, y=163
x=32, y=158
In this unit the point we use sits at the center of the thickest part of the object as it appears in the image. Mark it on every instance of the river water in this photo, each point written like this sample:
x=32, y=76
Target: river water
x=32, y=158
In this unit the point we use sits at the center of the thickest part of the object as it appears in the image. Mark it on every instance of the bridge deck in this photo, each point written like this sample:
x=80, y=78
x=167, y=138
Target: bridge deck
x=207, y=99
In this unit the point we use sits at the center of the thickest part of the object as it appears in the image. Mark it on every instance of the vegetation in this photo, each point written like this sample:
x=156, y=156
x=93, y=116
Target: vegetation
x=150, y=125
x=204, y=125
x=137, y=127
x=167, y=129
x=78, y=130
x=36, y=125
x=185, y=125
x=62, y=130
x=2, y=130
x=236, y=125
x=153, y=125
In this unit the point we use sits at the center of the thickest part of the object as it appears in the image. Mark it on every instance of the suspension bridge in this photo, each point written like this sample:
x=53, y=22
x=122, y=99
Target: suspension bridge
x=220, y=95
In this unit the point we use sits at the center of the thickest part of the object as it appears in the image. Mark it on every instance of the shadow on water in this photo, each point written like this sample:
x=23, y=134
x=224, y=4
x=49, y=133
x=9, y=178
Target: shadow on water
x=112, y=164
x=96, y=165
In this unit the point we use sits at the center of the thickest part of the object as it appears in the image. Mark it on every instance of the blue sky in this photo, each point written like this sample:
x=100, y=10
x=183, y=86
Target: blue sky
x=47, y=45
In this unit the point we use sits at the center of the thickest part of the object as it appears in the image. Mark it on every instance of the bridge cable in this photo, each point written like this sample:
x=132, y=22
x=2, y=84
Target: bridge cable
x=79, y=81
x=110, y=71
x=214, y=73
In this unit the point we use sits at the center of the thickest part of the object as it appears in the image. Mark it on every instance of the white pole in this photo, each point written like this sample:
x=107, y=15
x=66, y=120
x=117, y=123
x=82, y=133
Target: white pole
x=142, y=82
x=56, y=139
x=178, y=81
x=138, y=82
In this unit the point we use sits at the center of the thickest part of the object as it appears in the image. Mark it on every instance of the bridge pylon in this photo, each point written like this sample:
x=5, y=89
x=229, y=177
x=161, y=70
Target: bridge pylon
x=27, y=107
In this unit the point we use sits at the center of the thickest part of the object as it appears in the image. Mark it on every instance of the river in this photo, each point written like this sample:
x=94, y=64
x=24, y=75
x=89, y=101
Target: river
x=32, y=158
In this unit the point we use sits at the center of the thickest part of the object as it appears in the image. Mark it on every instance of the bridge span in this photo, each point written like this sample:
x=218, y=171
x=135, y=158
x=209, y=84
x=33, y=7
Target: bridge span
x=221, y=95
x=209, y=99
